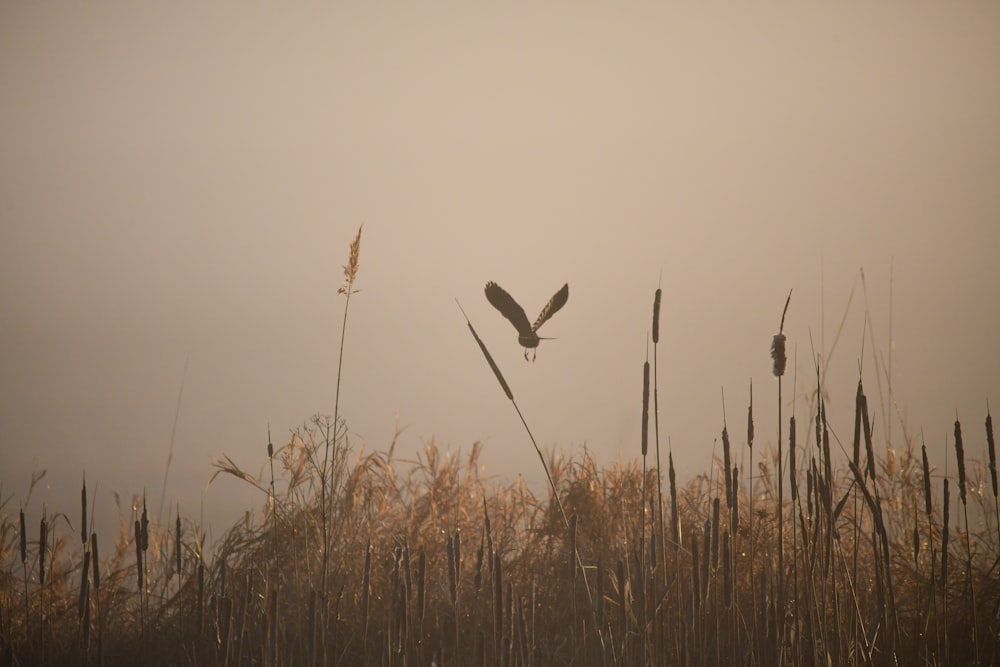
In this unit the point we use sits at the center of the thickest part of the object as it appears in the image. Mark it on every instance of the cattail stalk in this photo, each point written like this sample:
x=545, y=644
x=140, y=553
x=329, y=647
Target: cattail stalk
x=960, y=455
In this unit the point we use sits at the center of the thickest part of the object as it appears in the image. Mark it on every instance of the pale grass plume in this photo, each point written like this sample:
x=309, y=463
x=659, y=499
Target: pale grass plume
x=353, y=263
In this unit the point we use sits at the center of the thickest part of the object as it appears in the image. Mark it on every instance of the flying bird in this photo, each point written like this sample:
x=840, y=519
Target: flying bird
x=527, y=334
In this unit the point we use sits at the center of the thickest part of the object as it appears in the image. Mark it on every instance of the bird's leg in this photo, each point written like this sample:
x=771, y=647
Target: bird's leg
x=534, y=353
x=525, y=354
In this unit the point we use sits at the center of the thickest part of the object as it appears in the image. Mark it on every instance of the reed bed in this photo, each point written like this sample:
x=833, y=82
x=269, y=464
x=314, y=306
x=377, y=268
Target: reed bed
x=357, y=558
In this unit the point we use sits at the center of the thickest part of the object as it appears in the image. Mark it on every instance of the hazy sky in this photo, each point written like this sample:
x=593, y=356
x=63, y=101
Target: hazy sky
x=182, y=181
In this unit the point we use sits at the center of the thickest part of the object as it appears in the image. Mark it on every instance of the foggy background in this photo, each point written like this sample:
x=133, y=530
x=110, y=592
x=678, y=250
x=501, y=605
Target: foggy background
x=180, y=183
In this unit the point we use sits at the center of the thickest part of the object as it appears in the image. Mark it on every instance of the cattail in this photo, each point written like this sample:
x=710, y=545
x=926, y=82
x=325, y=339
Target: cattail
x=83, y=586
x=95, y=560
x=778, y=355
x=138, y=552
x=177, y=541
x=145, y=526
x=736, y=501
x=24, y=540
x=480, y=553
x=43, y=530
x=457, y=548
x=656, y=316
x=83, y=519
x=791, y=459
x=645, y=408
x=450, y=548
x=750, y=419
x=778, y=343
x=706, y=535
x=992, y=451
x=489, y=532
x=944, y=537
x=960, y=455
x=867, y=426
x=726, y=461
x=927, y=481
x=809, y=487
x=857, y=426
x=715, y=533
x=916, y=538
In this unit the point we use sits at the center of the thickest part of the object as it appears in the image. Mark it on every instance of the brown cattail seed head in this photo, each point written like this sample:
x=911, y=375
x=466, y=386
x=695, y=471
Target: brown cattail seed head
x=960, y=455
x=43, y=537
x=944, y=536
x=83, y=520
x=24, y=540
x=656, y=316
x=778, y=355
x=991, y=446
x=927, y=481
x=645, y=408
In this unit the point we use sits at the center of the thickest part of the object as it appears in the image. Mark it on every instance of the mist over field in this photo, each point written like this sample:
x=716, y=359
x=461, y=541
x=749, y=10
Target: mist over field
x=179, y=186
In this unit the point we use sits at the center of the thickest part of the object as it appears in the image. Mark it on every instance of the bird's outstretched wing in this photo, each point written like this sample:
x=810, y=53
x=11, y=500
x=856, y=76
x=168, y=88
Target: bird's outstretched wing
x=557, y=301
x=508, y=308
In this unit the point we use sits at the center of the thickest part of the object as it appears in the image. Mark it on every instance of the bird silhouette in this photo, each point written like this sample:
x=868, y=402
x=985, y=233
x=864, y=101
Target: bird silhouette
x=527, y=334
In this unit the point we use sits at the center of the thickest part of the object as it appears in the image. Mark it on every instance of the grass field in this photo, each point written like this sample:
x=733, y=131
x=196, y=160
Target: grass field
x=807, y=557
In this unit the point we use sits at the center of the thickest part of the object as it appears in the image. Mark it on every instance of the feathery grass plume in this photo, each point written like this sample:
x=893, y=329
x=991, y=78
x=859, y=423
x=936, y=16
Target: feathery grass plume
x=991, y=446
x=83, y=517
x=927, y=480
x=353, y=263
x=960, y=455
x=944, y=537
x=645, y=408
